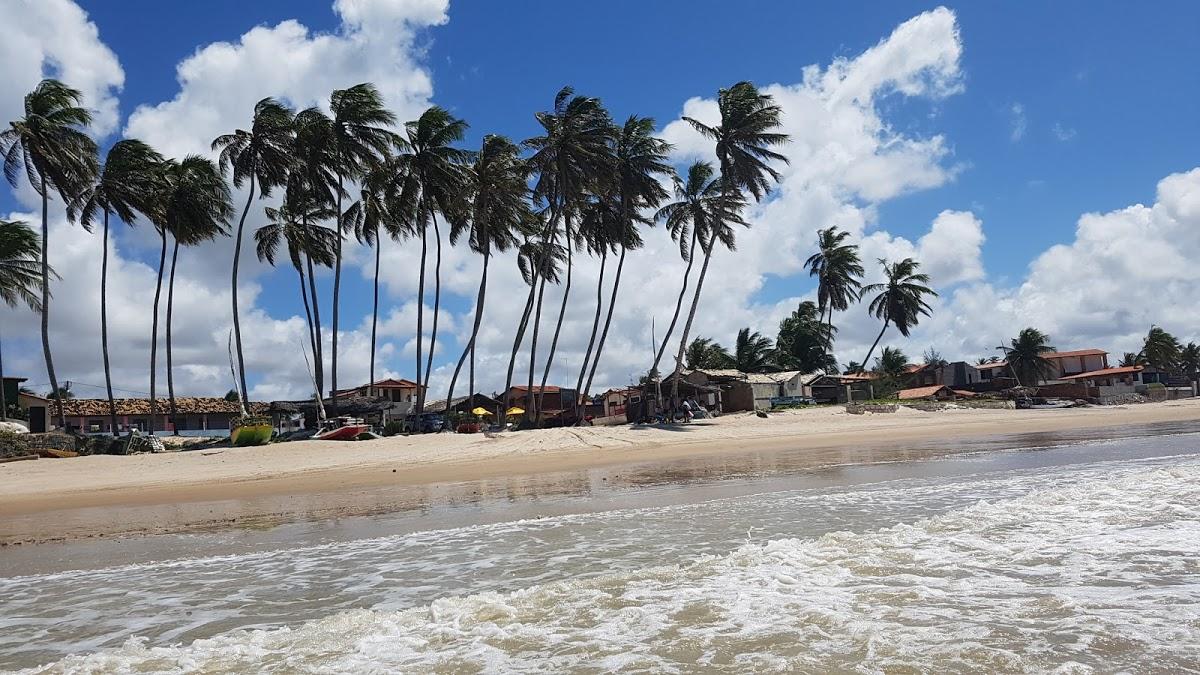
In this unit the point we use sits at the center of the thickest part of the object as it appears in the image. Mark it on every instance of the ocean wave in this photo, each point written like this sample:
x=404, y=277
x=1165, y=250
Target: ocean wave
x=1097, y=573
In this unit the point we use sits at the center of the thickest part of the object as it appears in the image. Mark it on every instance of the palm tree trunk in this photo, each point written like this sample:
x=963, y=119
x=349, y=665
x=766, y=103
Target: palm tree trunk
x=470, y=348
x=319, y=347
x=421, y=320
x=587, y=355
x=437, y=304
x=562, y=312
x=337, y=287
x=375, y=306
x=162, y=261
x=687, y=326
x=530, y=412
x=170, y=368
x=512, y=359
x=62, y=416
x=687, y=273
x=312, y=336
x=612, y=302
x=237, y=324
x=112, y=404
x=3, y=400
x=875, y=344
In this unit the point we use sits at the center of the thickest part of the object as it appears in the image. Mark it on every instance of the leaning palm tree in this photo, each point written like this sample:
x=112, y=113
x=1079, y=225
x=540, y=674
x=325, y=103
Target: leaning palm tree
x=261, y=155
x=701, y=207
x=296, y=224
x=20, y=278
x=1131, y=359
x=197, y=209
x=366, y=218
x=900, y=300
x=127, y=185
x=435, y=178
x=837, y=267
x=639, y=162
x=744, y=138
x=572, y=157
x=1161, y=350
x=50, y=145
x=1024, y=356
x=704, y=353
x=358, y=140
x=537, y=259
x=499, y=212
x=1189, y=360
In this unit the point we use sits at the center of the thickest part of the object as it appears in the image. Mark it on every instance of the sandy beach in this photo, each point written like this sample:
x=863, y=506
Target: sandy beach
x=95, y=496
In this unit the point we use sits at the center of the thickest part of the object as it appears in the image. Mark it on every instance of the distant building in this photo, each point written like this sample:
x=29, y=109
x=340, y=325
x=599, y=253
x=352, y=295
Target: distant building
x=91, y=415
x=559, y=405
x=1063, y=366
x=464, y=404
x=956, y=374
x=400, y=392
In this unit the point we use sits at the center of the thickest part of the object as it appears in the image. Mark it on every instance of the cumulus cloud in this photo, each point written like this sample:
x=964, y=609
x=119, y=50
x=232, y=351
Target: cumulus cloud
x=1018, y=121
x=54, y=38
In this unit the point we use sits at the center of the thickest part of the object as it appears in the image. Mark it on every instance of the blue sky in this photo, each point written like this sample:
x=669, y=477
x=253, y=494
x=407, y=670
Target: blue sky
x=1059, y=109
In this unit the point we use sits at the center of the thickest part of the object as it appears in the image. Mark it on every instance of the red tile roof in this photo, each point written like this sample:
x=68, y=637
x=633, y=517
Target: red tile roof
x=920, y=392
x=1104, y=372
x=550, y=389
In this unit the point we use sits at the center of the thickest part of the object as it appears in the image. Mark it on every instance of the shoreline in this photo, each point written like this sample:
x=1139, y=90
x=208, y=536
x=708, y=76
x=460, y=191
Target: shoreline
x=114, y=496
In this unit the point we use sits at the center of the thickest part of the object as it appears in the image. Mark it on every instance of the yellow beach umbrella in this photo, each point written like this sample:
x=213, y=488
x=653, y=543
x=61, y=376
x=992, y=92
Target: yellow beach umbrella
x=515, y=411
x=480, y=411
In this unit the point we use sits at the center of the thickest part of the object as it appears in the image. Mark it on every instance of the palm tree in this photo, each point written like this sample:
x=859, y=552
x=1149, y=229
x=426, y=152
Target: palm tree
x=498, y=213
x=853, y=367
x=1189, y=360
x=802, y=341
x=753, y=352
x=537, y=259
x=891, y=366
x=1161, y=350
x=435, y=178
x=743, y=139
x=262, y=155
x=597, y=224
x=1130, y=359
x=358, y=141
x=837, y=267
x=901, y=298
x=571, y=158
x=1024, y=356
x=197, y=208
x=295, y=223
x=703, y=353
x=50, y=145
x=640, y=159
x=365, y=217
x=128, y=184
x=20, y=277
x=701, y=207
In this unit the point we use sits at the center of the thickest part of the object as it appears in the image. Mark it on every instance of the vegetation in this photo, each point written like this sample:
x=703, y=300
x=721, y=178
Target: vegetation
x=705, y=354
x=900, y=300
x=803, y=341
x=838, y=271
x=1161, y=350
x=1024, y=357
x=20, y=278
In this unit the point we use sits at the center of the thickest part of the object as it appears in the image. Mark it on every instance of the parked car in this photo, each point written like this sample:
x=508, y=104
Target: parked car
x=425, y=423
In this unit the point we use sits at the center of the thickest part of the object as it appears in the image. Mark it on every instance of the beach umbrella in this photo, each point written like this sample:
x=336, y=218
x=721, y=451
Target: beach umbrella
x=515, y=411
x=481, y=411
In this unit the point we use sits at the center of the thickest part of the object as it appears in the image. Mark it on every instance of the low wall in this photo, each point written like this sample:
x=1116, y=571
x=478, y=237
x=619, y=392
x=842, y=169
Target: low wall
x=860, y=408
x=610, y=421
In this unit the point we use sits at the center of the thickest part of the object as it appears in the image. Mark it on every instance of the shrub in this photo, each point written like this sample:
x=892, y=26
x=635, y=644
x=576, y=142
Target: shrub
x=392, y=428
x=14, y=445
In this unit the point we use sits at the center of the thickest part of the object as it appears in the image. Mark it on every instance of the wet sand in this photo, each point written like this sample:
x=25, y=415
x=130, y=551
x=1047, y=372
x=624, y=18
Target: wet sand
x=54, y=500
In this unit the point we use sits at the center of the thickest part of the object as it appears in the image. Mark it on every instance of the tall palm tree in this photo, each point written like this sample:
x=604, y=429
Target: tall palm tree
x=127, y=185
x=359, y=139
x=701, y=207
x=838, y=270
x=499, y=212
x=365, y=218
x=597, y=225
x=1024, y=356
x=197, y=209
x=571, y=157
x=640, y=160
x=50, y=145
x=744, y=138
x=752, y=352
x=261, y=155
x=890, y=366
x=900, y=300
x=538, y=258
x=1161, y=350
x=802, y=341
x=296, y=224
x=435, y=178
x=704, y=353
x=20, y=277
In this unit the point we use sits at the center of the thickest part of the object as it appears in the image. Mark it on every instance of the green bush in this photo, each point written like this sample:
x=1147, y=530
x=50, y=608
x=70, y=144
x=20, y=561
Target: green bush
x=14, y=444
x=392, y=428
x=1156, y=385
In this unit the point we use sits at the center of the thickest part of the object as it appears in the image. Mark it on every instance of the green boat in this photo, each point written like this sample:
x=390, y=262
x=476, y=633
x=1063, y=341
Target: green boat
x=247, y=431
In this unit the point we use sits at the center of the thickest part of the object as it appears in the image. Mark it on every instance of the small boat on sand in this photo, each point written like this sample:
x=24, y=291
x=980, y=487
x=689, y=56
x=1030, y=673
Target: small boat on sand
x=341, y=429
x=248, y=431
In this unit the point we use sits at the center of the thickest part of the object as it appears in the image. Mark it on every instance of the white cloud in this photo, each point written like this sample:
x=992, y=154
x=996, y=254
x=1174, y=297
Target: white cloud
x=54, y=38
x=1019, y=122
x=1063, y=133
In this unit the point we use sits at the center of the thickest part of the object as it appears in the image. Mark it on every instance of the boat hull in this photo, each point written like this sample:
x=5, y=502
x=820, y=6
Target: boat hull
x=346, y=433
x=250, y=434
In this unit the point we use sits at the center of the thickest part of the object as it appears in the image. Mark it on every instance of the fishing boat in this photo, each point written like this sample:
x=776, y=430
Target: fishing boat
x=342, y=429
x=248, y=430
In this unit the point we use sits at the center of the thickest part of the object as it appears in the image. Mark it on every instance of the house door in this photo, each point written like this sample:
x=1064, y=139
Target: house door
x=37, y=419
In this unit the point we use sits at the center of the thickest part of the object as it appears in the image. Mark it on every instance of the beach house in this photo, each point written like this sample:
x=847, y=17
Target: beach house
x=956, y=374
x=1064, y=365
x=559, y=405
x=401, y=393
x=194, y=414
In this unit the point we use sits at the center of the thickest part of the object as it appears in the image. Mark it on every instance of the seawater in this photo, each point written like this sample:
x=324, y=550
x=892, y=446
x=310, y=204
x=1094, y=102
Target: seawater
x=1079, y=567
